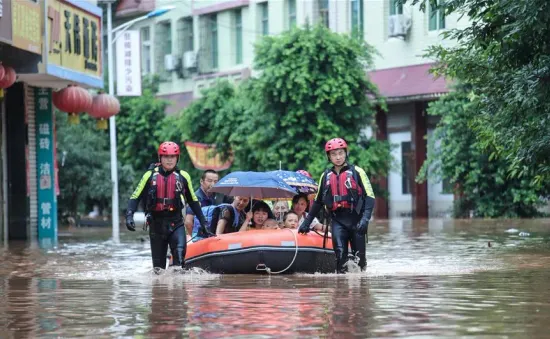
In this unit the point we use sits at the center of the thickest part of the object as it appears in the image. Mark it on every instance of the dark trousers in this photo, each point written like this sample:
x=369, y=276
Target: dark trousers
x=342, y=235
x=164, y=232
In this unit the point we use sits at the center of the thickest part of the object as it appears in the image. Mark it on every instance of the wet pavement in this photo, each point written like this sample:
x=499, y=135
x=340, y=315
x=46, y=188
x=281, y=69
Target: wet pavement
x=441, y=278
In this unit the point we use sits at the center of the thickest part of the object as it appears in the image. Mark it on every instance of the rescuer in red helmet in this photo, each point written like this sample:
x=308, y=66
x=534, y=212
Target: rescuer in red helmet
x=165, y=189
x=347, y=194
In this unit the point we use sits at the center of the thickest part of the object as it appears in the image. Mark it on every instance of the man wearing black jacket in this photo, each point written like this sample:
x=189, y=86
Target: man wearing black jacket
x=165, y=189
x=346, y=192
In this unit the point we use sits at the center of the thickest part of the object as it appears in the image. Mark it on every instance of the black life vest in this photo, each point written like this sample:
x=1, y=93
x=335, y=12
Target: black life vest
x=343, y=190
x=165, y=192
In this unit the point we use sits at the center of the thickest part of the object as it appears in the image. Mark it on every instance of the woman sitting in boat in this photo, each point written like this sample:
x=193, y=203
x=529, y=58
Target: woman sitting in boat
x=260, y=214
x=300, y=206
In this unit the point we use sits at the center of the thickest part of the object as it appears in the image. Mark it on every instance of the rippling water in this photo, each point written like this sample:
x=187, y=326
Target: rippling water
x=440, y=278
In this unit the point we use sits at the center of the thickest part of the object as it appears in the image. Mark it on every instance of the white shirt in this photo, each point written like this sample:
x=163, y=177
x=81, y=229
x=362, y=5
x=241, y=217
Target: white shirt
x=313, y=223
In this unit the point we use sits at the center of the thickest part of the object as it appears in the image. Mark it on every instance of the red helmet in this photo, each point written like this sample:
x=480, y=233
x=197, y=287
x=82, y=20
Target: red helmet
x=169, y=148
x=336, y=143
x=303, y=172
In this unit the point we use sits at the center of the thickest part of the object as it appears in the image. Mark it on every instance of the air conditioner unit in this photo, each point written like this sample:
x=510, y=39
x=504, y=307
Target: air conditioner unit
x=398, y=25
x=190, y=60
x=169, y=62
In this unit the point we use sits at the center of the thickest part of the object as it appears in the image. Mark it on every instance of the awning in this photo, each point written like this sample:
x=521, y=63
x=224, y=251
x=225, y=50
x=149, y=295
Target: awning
x=177, y=101
x=409, y=82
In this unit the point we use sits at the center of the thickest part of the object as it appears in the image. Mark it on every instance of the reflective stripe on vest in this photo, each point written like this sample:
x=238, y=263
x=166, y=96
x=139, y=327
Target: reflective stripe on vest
x=341, y=187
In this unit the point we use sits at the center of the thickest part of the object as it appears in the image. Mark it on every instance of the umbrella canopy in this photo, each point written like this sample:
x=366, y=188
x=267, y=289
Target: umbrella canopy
x=260, y=185
x=300, y=182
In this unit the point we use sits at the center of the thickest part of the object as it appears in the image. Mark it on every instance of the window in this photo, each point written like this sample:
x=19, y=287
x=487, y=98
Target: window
x=323, y=12
x=213, y=23
x=239, y=36
x=145, y=50
x=167, y=33
x=185, y=34
x=447, y=186
x=163, y=47
x=264, y=18
x=291, y=13
x=357, y=18
x=396, y=7
x=437, y=17
x=406, y=168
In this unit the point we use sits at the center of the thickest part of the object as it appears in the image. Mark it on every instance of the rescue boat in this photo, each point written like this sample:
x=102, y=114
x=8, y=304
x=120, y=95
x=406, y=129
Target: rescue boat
x=262, y=251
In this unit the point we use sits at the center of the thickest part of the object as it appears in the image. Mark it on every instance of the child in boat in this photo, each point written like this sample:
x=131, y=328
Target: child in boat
x=290, y=220
x=280, y=207
x=271, y=224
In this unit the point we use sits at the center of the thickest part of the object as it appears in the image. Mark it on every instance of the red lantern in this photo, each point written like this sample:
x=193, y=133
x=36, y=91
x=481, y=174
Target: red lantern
x=7, y=79
x=73, y=100
x=2, y=71
x=103, y=107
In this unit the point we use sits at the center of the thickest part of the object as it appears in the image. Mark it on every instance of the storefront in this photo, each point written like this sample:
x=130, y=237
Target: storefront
x=69, y=53
x=408, y=127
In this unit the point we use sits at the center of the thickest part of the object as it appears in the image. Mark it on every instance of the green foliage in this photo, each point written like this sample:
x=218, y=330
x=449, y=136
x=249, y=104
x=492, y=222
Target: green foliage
x=504, y=55
x=311, y=87
x=482, y=183
x=84, y=167
x=138, y=121
x=200, y=122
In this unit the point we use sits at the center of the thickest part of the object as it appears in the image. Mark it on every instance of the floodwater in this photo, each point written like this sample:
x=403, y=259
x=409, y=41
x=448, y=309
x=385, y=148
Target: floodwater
x=441, y=278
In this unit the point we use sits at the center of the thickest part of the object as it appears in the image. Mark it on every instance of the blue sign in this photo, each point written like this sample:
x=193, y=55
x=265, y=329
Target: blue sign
x=45, y=150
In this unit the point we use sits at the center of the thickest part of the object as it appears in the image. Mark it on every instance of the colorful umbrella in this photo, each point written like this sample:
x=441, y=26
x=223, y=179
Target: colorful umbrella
x=261, y=185
x=300, y=182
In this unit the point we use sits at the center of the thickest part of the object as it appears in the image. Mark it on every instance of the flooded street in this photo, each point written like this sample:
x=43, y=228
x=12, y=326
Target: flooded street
x=441, y=278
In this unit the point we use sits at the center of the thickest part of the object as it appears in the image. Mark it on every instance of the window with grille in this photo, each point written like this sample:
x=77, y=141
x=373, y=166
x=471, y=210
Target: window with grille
x=238, y=36
x=145, y=50
x=291, y=13
x=213, y=30
x=437, y=17
x=163, y=47
x=185, y=35
x=357, y=18
x=396, y=7
x=264, y=18
x=323, y=12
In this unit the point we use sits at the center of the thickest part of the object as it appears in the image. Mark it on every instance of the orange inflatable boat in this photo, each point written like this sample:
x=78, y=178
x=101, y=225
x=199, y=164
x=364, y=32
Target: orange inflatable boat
x=262, y=251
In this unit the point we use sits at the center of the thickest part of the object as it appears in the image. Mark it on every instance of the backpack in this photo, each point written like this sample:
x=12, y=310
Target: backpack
x=208, y=212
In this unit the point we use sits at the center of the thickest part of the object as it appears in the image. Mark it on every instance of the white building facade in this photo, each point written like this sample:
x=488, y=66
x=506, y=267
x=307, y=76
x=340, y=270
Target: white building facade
x=201, y=41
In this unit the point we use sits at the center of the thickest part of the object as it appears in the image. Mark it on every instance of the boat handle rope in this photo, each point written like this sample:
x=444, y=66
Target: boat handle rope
x=263, y=267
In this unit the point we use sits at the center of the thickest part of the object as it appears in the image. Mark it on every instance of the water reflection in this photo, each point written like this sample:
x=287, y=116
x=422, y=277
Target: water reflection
x=430, y=278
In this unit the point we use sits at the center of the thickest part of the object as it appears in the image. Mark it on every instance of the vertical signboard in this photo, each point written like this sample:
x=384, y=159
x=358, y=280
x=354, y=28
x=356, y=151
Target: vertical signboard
x=45, y=147
x=128, y=64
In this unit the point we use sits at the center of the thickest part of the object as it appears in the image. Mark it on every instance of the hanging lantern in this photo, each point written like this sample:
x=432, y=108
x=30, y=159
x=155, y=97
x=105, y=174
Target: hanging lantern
x=73, y=99
x=103, y=107
x=8, y=78
x=2, y=71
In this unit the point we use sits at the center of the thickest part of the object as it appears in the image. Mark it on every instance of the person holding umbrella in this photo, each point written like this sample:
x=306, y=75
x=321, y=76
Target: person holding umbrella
x=347, y=194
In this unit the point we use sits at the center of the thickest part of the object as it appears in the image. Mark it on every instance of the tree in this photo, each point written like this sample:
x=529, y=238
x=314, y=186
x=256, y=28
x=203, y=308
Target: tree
x=138, y=123
x=311, y=87
x=481, y=182
x=504, y=55
x=200, y=122
x=84, y=167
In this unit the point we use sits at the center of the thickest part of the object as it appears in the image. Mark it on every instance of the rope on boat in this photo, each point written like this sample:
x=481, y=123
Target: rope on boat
x=263, y=267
